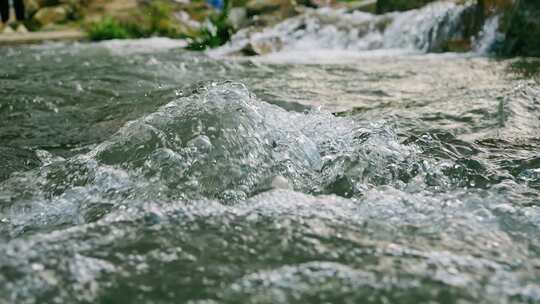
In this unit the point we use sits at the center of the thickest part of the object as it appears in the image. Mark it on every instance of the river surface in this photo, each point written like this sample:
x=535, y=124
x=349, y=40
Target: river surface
x=137, y=172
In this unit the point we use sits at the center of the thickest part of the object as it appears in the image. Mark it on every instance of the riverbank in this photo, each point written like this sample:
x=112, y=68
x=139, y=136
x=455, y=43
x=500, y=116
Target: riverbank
x=41, y=37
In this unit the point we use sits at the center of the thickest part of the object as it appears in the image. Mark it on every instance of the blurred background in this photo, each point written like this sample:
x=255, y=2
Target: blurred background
x=211, y=23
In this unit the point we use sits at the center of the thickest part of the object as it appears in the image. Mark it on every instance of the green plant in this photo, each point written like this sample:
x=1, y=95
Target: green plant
x=216, y=33
x=526, y=67
x=158, y=18
x=107, y=28
x=154, y=18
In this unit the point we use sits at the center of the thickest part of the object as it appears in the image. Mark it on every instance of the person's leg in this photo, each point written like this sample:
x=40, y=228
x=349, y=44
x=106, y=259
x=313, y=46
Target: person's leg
x=4, y=10
x=19, y=9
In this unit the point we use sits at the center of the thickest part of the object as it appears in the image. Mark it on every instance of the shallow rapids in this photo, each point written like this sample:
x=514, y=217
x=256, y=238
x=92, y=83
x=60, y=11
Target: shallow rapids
x=136, y=172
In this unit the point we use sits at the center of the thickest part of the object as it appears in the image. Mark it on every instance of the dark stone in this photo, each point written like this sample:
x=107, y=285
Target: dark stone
x=385, y=6
x=16, y=160
x=521, y=26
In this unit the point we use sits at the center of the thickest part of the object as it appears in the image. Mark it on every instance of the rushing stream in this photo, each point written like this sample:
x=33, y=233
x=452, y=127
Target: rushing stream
x=137, y=172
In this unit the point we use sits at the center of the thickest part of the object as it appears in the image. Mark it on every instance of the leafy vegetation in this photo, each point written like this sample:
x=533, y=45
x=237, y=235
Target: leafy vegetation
x=108, y=28
x=527, y=67
x=154, y=19
x=157, y=19
x=216, y=32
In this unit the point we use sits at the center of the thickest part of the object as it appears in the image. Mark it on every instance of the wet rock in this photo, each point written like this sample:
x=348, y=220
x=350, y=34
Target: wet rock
x=494, y=7
x=237, y=17
x=31, y=6
x=369, y=6
x=256, y=7
x=521, y=26
x=41, y=3
x=280, y=182
x=269, y=12
x=385, y=6
x=468, y=30
x=48, y=15
x=76, y=8
x=16, y=160
x=262, y=46
x=457, y=45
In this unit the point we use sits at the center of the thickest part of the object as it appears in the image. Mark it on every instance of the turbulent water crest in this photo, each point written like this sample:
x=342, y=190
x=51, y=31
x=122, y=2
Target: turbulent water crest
x=137, y=174
x=218, y=142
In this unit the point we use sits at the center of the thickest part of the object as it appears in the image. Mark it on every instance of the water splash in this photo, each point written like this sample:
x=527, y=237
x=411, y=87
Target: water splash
x=425, y=190
x=488, y=36
x=219, y=142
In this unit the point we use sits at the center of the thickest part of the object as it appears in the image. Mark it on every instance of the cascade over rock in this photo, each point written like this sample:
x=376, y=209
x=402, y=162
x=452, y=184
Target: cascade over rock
x=438, y=27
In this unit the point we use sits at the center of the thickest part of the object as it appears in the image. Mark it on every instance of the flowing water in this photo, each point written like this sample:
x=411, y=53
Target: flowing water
x=137, y=172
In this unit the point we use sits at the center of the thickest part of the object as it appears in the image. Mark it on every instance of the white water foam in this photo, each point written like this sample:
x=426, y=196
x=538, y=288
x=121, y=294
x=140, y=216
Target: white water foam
x=488, y=36
x=421, y=30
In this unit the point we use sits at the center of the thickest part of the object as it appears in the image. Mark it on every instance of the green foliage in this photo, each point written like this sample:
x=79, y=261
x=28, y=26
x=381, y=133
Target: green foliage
x=526, y=67
x=238, y=3
x=217, y=31
x=155, y=18
x=108, y=28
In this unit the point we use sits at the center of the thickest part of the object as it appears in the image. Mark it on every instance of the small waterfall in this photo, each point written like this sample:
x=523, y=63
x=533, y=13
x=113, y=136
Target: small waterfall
x=488, y=36
x=424, y=30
